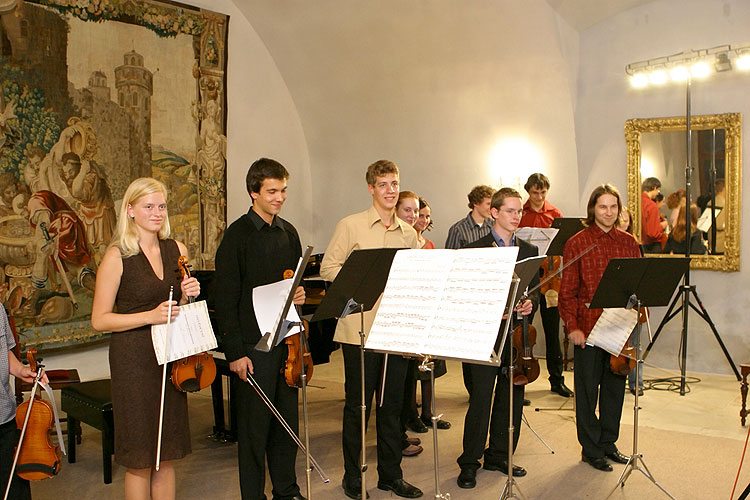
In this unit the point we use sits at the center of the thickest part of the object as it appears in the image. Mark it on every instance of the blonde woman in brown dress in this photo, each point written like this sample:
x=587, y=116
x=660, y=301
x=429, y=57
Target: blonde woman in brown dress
x=134, y=278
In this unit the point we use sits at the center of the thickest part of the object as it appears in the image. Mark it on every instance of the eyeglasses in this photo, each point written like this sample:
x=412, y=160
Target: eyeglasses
x=510, y=211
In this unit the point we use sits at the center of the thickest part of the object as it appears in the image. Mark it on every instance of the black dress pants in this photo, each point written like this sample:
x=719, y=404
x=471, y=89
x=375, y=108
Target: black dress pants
x=488, y=413
x=260, y=436
x=387, y=416
x=551, y=324
x=19, y=488
x=595, y=381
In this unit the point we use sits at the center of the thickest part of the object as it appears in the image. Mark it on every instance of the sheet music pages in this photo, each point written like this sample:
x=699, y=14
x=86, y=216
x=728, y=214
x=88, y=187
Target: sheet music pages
x=612, y=329
x=189, y=333
x=268, y=302
x=447, y=303
x=540, y=236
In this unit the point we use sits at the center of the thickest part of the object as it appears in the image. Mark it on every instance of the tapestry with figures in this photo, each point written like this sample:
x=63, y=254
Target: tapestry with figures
x=94, y=94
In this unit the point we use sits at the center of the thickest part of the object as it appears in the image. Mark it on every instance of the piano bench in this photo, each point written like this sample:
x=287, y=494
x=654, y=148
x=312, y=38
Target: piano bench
x=90, y=403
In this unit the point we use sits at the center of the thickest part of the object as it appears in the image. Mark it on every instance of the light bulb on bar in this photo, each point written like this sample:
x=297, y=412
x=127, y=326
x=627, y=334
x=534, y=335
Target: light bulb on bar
x=701, y=69
x=658, y=77
x=743, y=62
x=679, y=74
x=639, y=80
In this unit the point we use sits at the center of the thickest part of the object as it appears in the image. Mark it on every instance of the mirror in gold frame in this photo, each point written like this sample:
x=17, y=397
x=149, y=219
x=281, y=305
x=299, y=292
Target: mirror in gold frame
x=726, y=153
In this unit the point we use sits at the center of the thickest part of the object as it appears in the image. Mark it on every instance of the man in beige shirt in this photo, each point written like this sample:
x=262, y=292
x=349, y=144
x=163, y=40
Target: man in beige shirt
x=377, y=227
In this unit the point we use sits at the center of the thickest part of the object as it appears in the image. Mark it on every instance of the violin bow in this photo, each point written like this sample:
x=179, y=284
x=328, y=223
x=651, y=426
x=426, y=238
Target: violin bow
x=164, y=379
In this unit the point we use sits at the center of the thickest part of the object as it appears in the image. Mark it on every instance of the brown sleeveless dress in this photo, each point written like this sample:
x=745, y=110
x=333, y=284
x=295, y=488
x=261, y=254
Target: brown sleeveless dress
x=136, y=376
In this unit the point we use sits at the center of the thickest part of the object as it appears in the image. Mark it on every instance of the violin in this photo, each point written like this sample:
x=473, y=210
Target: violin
x=294, y=365
x=526, y=366
x=625, y=362
x=551, y=279
x=38, y=458
x=198, y=371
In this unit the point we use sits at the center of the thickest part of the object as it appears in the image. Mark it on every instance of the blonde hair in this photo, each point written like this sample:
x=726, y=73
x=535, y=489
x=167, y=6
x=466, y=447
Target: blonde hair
x=126, y=235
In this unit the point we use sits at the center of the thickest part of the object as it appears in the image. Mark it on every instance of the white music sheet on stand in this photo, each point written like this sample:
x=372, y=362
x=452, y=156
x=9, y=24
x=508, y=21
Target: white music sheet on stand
x=446, y=303
x=189, y=333
x=268, y=302
x=540, y=236
x=612, y=329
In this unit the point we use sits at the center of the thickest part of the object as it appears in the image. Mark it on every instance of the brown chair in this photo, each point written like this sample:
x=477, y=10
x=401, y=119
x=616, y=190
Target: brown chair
x=57, y=378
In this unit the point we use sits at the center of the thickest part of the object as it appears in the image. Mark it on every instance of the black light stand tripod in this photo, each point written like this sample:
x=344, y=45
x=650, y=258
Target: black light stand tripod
x=686, y=289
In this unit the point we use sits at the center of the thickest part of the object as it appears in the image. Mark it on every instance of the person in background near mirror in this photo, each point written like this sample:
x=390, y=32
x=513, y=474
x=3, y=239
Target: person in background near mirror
x=676, y=241
x=424, y=223
x=258, y=249
x=488, y=413
x=675, y=200
x=539, y=212
x=720, y=204
x=9, y=433
x=652, y=227
x=594, y=380
x=625, y=223
x=134, y=279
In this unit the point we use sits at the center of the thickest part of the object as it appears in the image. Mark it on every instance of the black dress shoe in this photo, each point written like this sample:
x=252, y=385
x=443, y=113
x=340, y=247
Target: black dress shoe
x=618, y=457
x=353, y=489
x=640, y=391
x=441, y=424
x=400, y=488
x=417, y=426
x=599, y=463
x=502, y=466
x=562, y=390
x=298, y=496
x=526, y=402
x=467, y=479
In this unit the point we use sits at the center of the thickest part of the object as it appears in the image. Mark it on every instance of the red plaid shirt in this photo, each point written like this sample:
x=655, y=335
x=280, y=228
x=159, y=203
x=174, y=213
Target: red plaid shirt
x=580, y=280
x=542, y=218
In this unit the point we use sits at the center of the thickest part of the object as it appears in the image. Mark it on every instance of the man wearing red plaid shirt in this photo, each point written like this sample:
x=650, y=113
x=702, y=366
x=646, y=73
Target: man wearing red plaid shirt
x=594, y=381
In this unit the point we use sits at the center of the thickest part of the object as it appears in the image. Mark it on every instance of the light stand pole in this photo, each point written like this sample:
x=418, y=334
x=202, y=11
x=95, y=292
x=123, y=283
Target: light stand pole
x=686, y=289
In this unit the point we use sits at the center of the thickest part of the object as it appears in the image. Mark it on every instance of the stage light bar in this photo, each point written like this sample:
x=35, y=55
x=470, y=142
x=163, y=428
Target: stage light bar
x=689, y=64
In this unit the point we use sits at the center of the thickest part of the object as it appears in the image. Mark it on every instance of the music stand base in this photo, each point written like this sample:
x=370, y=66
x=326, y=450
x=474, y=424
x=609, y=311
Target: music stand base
x=508, y=493
x=633, y=465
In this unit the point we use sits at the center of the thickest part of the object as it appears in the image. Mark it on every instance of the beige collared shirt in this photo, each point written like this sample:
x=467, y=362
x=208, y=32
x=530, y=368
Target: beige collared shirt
x=361, y=231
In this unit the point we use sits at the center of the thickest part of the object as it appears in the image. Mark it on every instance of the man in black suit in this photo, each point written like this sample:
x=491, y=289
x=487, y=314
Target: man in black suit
x=486, y=413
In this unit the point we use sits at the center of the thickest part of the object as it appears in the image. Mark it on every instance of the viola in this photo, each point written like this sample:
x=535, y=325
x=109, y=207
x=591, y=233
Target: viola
x=198, y=371
x=526, y=366
x=38, y=457
x=551, y=279
x=294, y=365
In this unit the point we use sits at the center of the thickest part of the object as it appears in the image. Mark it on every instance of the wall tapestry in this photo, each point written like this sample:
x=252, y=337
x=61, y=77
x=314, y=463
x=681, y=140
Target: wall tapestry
x=95, y=93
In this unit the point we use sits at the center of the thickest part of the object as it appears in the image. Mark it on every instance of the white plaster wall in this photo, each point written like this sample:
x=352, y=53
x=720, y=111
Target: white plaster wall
x=261, y=121
x=605, y=101
x=432, y=85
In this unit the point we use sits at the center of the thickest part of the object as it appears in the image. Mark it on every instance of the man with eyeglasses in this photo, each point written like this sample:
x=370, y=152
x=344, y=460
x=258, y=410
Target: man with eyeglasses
x=652, y=227
x=485, y=413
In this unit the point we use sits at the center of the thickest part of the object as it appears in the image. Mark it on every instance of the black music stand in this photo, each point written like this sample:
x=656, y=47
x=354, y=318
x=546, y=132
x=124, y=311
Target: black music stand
x=357, y=287
x=633, y=284
x=568, y=226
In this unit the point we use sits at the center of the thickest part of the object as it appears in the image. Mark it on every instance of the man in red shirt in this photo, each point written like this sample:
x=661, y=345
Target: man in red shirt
x=594, y=381
x=652, y=232
x=538, y=212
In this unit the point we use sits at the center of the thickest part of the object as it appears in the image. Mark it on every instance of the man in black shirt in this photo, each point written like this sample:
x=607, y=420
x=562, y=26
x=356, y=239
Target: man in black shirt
x=256, y=250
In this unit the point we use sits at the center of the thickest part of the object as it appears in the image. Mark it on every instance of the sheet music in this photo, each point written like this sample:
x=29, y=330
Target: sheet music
x=540, y=236
x=612, y=329
x=189, y=333
x=704, y=221
x=268, y=301
x=447, y=303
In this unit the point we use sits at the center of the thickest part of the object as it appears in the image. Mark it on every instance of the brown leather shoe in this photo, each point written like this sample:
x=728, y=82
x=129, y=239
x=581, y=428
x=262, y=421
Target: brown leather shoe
x=412, y=450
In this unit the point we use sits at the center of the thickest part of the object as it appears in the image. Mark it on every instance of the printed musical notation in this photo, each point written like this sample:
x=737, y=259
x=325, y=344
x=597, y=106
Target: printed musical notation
x=446, y=303
x=189, y=333
x=612, y=329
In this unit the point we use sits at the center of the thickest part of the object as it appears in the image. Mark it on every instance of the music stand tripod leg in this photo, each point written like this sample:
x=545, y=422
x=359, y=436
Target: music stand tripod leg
x=507, y=492
x=525, y=421
x=428, y=365
x=363, y=406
